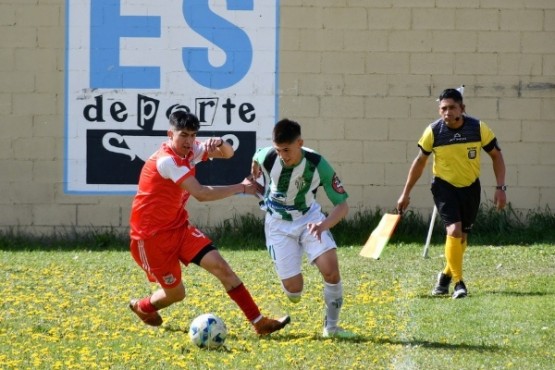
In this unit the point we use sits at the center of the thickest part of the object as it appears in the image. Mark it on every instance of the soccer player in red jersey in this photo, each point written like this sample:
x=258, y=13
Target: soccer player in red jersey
x=161, y=235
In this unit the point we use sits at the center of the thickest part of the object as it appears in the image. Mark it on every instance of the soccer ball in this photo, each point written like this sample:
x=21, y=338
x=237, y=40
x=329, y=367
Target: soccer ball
x=208, y=331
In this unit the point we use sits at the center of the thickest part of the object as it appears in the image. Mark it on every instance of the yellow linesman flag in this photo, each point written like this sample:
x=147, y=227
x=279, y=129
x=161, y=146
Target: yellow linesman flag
x=380, y=236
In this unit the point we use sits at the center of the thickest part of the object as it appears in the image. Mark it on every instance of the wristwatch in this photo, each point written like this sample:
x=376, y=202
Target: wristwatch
x=501, y=187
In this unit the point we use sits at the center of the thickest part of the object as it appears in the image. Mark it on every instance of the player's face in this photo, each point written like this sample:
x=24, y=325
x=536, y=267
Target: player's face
x=291, y=153
x=451, y=112
x=182, y=141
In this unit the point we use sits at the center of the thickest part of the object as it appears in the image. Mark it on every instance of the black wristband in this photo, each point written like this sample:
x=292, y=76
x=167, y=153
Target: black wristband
x=501, y=187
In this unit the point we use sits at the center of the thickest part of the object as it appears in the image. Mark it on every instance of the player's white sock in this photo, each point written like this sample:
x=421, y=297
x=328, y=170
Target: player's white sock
x=333, y=296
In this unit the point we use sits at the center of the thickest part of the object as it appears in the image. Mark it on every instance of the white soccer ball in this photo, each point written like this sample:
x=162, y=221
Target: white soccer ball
x=208, y=331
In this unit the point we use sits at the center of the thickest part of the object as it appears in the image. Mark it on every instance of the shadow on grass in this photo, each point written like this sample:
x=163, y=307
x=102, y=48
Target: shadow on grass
x=441, y=345
x=175, y=329
x=408, y=342
x=508, y=293
x=429, y=296
x=512, y=293
x=285, y=337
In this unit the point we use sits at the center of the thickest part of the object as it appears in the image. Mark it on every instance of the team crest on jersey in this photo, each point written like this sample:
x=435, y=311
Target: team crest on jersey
x=337, y=185
x=472, y=153
x=169, y=279
x=300, y=182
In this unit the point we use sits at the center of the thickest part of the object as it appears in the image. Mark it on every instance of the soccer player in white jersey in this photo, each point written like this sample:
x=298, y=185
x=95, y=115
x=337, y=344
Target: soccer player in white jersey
x=295, y=224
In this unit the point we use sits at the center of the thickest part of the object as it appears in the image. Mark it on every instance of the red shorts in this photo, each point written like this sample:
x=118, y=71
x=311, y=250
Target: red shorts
x=160, y=255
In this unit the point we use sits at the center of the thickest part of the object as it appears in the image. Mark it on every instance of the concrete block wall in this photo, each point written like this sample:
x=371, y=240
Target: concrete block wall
x=373, y=69
x=360, y=75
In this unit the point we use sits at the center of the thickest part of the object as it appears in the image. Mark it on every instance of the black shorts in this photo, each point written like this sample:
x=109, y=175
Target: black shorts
x=202, y=253
x=457, y=204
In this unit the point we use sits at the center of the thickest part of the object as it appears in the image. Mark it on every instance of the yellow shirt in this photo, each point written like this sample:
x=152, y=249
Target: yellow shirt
x=457, y=151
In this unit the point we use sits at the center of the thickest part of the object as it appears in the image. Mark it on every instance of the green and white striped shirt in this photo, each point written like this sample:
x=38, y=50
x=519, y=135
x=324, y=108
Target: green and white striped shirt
x=291, y=191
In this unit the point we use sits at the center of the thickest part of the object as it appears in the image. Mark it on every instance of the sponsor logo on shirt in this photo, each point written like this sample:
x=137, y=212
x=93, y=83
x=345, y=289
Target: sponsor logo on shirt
x=457, y=138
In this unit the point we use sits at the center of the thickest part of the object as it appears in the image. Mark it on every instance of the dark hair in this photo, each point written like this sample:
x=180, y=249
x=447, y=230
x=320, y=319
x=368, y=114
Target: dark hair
x=181, y=120
x=451, y=94
x=286, y=131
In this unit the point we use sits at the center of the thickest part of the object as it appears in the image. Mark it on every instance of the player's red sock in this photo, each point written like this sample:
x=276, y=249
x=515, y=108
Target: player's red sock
x=244, y=300
x=146, y=306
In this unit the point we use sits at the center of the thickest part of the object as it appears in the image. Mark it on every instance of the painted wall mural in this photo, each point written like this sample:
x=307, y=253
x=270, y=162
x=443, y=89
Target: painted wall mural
x=131, y=63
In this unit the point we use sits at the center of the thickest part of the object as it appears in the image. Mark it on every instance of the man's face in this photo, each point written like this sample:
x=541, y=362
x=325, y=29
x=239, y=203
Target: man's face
x=290, y=153
x=182, y=141
x=451, y=112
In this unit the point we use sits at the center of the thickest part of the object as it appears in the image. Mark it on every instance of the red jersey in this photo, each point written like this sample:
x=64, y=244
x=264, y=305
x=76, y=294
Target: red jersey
x=159, y=204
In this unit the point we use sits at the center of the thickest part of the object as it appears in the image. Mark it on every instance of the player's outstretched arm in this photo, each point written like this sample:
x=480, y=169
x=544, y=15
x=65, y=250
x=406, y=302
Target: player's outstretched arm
x=205, y=193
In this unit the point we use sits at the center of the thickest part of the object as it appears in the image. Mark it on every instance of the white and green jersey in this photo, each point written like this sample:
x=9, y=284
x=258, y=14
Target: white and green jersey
x=291, y=191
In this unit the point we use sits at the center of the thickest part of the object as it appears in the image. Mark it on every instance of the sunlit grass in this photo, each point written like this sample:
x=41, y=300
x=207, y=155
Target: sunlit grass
x=68, y=310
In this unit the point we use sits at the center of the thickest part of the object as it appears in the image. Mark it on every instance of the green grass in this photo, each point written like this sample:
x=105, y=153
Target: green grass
x=67, y=309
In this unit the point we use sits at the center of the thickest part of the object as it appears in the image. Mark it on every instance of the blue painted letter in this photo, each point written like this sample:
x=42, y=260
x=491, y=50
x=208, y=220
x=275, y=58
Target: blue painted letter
x=107, y=28
x=232, y=40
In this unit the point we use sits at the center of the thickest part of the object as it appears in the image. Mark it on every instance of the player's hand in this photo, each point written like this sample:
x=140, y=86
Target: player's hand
x=500, y=199
x=213, y=143
x=259, y=187
x=249, y=186
x=315, y=229
x=403, y=203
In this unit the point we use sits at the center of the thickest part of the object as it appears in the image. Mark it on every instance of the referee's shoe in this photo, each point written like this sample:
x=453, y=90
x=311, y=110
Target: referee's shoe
x=442, y=285
x=460, y=290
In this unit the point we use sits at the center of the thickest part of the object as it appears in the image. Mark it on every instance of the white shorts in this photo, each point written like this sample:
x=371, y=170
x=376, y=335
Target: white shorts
x=288, y=241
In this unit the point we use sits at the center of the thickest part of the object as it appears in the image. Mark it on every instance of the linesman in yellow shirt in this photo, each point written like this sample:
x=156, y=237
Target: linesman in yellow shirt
x=456, y=141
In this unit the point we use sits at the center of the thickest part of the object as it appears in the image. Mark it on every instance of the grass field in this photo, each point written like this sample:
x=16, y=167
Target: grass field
x=68, y=310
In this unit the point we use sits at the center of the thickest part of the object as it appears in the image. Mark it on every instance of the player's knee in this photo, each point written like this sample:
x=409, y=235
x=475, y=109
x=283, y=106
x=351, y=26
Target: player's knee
x=332, y=277
x=294, y=293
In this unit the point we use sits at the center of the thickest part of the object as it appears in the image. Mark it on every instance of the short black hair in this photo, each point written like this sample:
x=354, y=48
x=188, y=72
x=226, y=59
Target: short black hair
x=451, y=94
x=286, y=131
x=182, y=120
